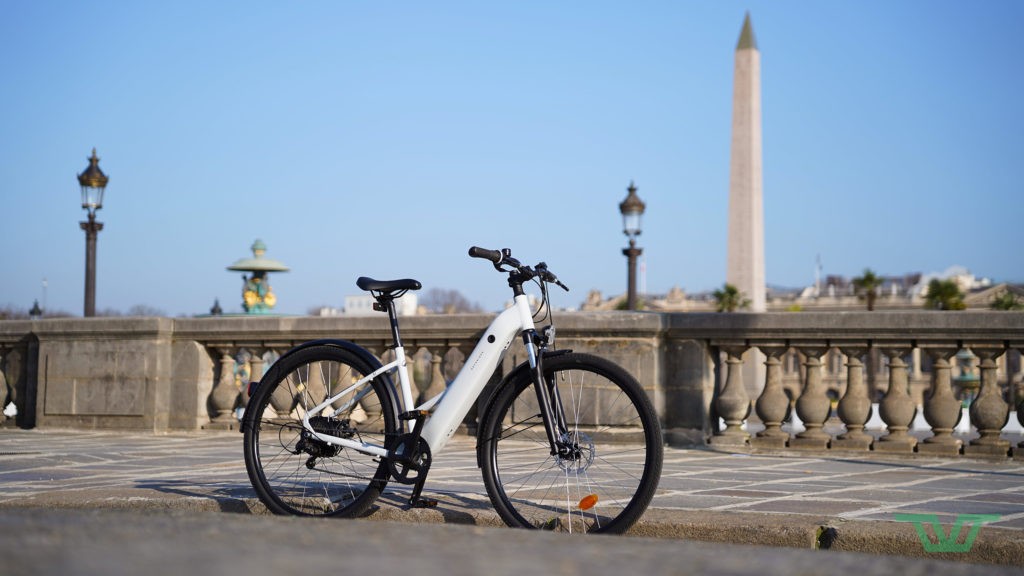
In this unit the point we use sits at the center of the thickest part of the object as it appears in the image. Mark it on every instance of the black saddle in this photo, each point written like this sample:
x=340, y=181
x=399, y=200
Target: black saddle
x=387, y=286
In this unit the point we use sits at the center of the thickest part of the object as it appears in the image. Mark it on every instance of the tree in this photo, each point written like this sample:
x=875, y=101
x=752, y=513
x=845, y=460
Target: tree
x=1007, y=301
x=136, y=310
x=447, y=301
x=145, y=310
x=867, y=285
x=944, y=295
x=730, y=299
x=9, y=312
x=623, y=304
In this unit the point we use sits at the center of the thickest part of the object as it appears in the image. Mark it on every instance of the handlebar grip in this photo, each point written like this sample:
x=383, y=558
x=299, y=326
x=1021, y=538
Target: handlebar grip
x=492, y=255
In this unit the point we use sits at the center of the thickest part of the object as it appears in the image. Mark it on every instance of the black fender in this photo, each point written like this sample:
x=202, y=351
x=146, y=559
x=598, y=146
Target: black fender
x=516, y=373
x=363, y=354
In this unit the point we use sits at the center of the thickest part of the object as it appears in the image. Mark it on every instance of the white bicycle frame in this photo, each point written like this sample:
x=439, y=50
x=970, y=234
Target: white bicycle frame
x=454, y=403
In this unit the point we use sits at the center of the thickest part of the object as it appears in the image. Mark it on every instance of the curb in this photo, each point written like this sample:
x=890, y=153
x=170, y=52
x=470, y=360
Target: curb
x=992, y=546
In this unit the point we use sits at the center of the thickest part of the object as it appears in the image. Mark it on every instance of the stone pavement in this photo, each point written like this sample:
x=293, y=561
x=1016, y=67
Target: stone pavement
x=812, y=502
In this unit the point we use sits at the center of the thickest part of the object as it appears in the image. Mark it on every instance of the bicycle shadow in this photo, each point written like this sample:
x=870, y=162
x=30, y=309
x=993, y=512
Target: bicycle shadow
x=233, y=497
x=227, y=496
x=452, y=507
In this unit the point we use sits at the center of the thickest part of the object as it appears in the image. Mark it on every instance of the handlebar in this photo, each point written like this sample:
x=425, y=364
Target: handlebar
x=504, y=257
x=492, y=255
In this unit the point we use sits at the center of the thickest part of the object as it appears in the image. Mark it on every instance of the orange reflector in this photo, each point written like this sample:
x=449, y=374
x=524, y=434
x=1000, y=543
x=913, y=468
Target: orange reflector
x=588, y=502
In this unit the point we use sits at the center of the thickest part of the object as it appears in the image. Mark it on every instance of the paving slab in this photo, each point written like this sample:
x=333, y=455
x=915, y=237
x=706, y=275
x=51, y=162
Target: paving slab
x=112, y=543
x=804, y=501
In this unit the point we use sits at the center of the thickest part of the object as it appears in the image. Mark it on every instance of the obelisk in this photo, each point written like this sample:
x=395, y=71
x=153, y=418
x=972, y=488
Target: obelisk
x=745, y=263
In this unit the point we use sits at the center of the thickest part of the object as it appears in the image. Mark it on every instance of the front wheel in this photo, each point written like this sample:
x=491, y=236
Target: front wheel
x=608, y=455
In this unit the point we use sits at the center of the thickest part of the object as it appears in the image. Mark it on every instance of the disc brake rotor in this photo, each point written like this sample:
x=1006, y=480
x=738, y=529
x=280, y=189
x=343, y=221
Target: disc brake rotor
x=576, y=453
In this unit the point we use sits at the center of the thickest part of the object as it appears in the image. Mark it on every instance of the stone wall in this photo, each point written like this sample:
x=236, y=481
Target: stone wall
x=186, y=374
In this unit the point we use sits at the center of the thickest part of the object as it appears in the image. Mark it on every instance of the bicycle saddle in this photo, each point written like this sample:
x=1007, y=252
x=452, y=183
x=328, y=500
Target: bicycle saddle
x=370, y=284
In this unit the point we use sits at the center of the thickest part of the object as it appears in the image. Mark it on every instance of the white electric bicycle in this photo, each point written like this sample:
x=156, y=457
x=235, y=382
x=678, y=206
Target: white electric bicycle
x=567, y=441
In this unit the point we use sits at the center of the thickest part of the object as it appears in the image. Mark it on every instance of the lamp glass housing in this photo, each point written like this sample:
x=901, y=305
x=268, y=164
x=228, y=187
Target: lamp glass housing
x=631, y=223
x=92, y=198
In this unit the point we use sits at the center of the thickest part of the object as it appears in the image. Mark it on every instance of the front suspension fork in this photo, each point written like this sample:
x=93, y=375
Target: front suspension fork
x=548, y=398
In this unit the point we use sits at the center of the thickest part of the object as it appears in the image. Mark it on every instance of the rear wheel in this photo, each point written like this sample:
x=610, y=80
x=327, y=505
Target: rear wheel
x=608, y=459
x=292, y=470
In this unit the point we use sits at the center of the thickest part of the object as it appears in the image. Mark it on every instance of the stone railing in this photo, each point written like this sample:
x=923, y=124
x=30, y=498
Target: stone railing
x=810, y=418
x=808, y=382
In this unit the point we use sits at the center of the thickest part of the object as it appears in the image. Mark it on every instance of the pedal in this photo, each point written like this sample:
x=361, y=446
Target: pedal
x=417, y=502
x=413, y=415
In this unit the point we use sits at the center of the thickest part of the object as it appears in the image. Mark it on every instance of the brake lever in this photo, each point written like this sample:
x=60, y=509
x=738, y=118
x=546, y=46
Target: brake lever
x=547, y=276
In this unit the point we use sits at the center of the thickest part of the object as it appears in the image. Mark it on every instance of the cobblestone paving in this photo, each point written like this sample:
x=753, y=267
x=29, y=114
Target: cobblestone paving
x=206, y=471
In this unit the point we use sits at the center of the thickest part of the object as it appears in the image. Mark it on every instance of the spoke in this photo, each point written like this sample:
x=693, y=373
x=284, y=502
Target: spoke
x=503, y=436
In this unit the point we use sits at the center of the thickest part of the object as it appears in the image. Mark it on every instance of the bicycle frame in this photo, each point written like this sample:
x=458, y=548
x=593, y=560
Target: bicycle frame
x=452, y=405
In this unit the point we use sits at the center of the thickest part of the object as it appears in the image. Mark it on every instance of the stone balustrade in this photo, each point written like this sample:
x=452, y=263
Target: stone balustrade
x=892, y=382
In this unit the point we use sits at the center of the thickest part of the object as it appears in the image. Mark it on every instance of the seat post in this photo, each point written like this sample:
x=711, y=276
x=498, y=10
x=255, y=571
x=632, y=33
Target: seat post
x=389, y=303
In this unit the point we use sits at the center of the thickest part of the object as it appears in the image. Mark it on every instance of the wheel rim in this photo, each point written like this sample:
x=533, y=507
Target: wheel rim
x=300, y=474
x=593, y=484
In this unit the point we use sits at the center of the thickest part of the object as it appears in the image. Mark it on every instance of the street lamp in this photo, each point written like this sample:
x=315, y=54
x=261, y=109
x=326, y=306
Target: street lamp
x=632, y=209
x=94, y=183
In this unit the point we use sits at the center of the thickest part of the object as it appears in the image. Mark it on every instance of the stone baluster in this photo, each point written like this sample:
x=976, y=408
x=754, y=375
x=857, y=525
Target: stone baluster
x=732, y=403
x=1018, y=379
x=941, y=409
x=283, y=399
x=419, y=370
x=989, y=412
x=1018, y=451
x=773, y=403
x=317, y=380
x=255, y=373
x=855, y=406
x=897, y=409
x=813, y=407
x=368, y=409
x=437, y=382
x=378, y=349
x=387, y=355
x=256, y=366
x=7, y=394
x=224, y=395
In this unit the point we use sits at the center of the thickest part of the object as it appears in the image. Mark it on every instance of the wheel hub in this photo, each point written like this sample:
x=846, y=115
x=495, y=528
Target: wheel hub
x=575, y=452
x=316, y=447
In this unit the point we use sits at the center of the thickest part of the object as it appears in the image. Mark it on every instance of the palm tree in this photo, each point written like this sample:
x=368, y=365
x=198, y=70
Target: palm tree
x=944, y=295
x=1007, y=301
x=867, y=286
x=730, y=299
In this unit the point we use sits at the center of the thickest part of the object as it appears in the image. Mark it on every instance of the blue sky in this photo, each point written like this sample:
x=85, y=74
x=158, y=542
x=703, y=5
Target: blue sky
x=385, y=138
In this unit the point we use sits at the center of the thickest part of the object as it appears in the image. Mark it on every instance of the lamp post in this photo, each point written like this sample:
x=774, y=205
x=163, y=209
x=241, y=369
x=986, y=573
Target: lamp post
x=632, y=209
x=93, y=182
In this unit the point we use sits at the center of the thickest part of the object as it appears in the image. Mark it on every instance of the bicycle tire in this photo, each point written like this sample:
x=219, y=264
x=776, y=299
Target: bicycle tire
x=610, y=477
x=295, y=473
